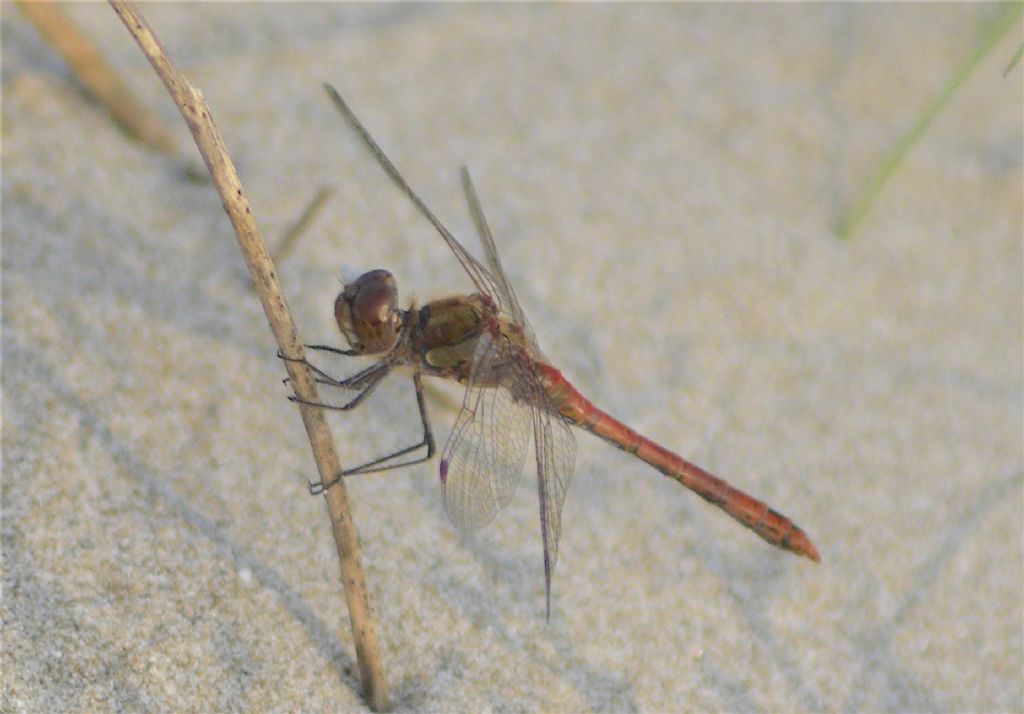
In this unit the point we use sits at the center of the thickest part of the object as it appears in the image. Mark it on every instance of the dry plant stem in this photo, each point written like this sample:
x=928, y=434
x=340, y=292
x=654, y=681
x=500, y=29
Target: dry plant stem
x=97, y=76
x=197, y=115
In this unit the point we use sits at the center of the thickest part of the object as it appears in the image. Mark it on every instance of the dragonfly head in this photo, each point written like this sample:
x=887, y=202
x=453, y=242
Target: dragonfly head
x=367, y=312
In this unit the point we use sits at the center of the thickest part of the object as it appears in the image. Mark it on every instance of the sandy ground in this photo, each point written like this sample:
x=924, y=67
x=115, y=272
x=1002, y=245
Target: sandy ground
x=663, y=182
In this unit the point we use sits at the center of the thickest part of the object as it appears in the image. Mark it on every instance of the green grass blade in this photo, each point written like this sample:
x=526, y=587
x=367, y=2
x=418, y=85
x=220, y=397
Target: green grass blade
x=996, y=30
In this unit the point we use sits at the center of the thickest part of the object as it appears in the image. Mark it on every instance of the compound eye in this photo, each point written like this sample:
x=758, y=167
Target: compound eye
x=367, y=312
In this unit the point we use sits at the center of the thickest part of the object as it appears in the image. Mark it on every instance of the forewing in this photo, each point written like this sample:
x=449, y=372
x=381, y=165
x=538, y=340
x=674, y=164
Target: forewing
x=505, y=294
x=480, y=276
x=483, y=458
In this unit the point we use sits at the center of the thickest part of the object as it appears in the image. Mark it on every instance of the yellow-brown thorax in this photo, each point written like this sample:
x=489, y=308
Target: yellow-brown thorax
x=446, y=333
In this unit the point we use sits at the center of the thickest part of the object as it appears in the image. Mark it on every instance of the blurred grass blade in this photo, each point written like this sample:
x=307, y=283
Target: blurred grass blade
x=1004, y=22
x=1016, y=58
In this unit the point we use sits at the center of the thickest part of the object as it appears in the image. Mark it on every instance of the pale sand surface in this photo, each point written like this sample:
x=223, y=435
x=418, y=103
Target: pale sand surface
x=663, y=182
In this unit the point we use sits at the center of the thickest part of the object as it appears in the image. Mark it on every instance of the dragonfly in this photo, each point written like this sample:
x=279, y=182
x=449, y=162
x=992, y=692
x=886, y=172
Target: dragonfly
x=513, y=395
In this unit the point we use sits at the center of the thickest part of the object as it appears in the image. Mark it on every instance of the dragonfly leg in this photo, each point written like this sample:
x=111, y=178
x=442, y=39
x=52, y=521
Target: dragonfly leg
x=382, y=464
x=353, y=382
x=321, y=348
x=318, y=380
x=335, y=350
x=427, y=441
x=366, y=382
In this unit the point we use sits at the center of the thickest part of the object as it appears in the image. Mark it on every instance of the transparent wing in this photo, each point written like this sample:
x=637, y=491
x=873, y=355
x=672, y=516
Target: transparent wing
x=483, y=458
x=556, y=459
x=483, y=280
x=489, y=280
x=505, y=296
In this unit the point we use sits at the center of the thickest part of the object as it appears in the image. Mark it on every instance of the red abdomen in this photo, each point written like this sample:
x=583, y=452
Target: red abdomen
x=771, y=525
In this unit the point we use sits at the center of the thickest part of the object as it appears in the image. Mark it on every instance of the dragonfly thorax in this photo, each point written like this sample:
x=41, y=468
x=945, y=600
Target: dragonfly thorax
x=367, y=312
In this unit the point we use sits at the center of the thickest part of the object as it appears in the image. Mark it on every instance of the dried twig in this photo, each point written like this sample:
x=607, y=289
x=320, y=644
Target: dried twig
x=98, y=77
x=197, y=115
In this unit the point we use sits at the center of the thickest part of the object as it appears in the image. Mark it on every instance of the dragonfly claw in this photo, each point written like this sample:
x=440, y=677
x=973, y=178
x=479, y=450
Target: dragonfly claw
x=315, y=489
